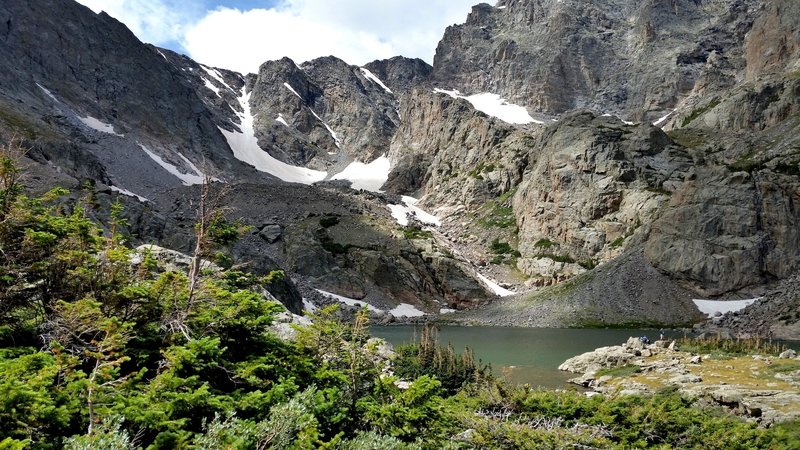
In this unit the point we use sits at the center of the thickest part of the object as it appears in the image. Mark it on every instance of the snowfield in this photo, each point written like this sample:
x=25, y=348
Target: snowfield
x=493, y=105
x=401, y=213
x=369, y=177
x=99, y=125
x=245, y=148
x=711, y=307
x=187, y=179
x=496, y=288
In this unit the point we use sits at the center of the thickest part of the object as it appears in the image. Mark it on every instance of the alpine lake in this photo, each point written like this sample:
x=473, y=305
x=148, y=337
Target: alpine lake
x=524, y=355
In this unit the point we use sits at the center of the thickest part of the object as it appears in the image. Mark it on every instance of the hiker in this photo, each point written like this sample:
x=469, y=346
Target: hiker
x=661, y=334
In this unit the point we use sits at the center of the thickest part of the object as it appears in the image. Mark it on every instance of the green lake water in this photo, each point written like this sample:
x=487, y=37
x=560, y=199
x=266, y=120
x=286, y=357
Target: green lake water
x=522, y=355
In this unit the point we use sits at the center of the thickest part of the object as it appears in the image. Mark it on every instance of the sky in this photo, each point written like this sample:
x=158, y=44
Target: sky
x=241, y=34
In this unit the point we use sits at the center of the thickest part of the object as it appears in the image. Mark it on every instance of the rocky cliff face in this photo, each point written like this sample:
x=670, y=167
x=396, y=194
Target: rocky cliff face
x=772, y=45
x=81, y=88
x=94, y=104
x=451, y=153
x=401, y=74
x=633, y=58
x=323, y=113
x=591, y=182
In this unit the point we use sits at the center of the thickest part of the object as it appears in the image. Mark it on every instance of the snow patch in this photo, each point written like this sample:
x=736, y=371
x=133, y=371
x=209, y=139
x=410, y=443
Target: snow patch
x=349, y=301
x=245, y=148
x=98, y=125
x=281, y=120
x=211, y=86
x=330, y=130
x=129, y=194
x=369, y=177
x=289, y=87
x=215, y=75
x=406, y=310
x=626, y=122
x=187, y=179
x=495, y=106
x=162, y=55
x=711, y=307
x=446, y=311
x=663, y=119
x=49, y=94
x=496, y=288
x=371, y=76
x=421, y=215
x=401, y=213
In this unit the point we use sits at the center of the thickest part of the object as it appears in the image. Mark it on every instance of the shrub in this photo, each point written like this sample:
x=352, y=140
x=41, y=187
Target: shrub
x=501, y=248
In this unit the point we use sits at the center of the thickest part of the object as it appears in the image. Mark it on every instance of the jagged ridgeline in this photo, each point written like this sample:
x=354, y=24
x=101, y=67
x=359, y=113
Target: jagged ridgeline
x=606, y=162
x=561, y=163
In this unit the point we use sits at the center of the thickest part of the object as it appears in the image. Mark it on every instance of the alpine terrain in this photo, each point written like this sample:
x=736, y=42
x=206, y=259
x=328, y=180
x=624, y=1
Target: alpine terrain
x=561, y=163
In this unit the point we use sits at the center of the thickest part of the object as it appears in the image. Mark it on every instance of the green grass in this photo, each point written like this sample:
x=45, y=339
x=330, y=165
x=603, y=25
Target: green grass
x=730, y=347
x=544, y=243
x=779, y=367
x=557, y=258
x=498, y=213
x=482, y=168
x=502, y=248
x=328, y=221
x=499, y=217
x=699, y=112
x=689, y=138
x=746, y=164
x=414, y=232
x=622, y=371
x=18, y=124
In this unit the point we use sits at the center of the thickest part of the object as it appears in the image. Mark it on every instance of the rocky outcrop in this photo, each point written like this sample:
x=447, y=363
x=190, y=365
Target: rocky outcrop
x=726, y=230
x=323, y=113
x=773, y=43
x=625, y=291
x=401, y=74
x=591, y=182
x=451, y=153
x=634, y=58
x=762, y=388
x=332, y=239
x=776, y=315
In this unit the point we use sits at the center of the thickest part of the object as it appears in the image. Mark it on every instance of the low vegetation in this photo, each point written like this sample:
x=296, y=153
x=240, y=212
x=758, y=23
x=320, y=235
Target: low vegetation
x=102, y=348
x=730, y=347
x=415, y=232
x=697, y=112
x=498, y=213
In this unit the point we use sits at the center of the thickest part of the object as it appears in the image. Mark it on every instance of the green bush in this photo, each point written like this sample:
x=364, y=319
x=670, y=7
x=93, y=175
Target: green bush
x=328, y=221
x=500, y=248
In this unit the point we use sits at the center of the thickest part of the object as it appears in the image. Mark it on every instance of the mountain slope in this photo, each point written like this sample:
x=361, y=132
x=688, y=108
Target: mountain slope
x=509, y=138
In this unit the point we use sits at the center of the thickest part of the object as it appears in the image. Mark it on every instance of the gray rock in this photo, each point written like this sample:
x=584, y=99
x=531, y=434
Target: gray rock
x=271, y=233
x=169, y=260
x=685, y=379
x=788, y=354
x=554, y=56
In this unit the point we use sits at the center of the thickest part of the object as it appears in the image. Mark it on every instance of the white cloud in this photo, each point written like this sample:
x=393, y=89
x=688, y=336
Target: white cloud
x=155, y=21
x=358, y=31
